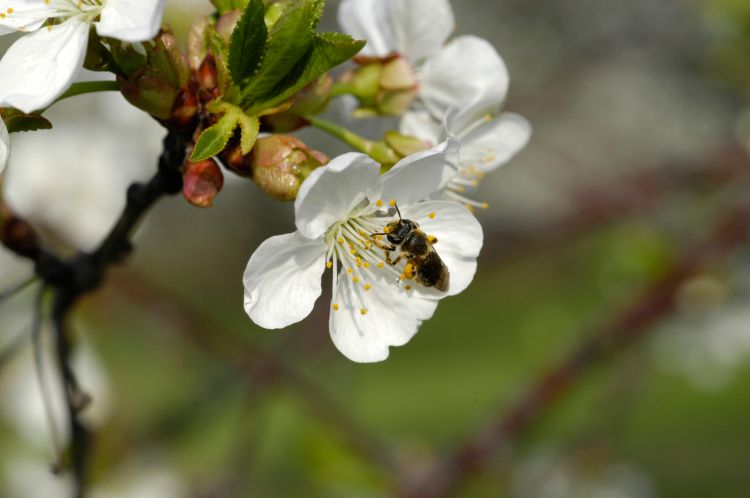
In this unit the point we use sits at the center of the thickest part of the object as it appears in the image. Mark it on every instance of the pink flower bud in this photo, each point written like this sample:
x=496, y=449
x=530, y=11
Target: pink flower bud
x=280, y=163
x=202, y=182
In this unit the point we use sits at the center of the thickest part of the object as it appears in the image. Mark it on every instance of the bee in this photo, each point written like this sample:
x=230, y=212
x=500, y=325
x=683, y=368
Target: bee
x=417, y=248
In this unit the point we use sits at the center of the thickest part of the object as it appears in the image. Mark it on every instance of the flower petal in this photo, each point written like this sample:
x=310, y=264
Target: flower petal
x=131, y=20
x=420, y=28
x=282, y=280
x=467, y=69
x=422, y=125
x=391, y=316
x=495, y=141
x=368, y=20
x=459, y=235
x=331, y=192
x=26, y=15
x=39, y=67
x=422, y=174
x=4, y=145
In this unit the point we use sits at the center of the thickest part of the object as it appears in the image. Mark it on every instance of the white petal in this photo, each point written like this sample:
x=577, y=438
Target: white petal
x=422, y=125
x=282, y=280
x=330, y=193
x=421, y=27
x=467, y=69
x=459, y=235
x=131, y=20
x=495, y=142
x=368, y=20
x=4, y=145
x=420, y=175
x=392, y=316
x=27, y=15
x=39, y=67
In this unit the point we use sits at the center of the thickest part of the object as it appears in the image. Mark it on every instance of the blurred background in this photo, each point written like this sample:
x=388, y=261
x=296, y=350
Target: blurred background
x=639, y=150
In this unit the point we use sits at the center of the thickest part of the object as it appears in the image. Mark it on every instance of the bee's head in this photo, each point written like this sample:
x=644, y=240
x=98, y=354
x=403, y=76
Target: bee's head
x=397, y=231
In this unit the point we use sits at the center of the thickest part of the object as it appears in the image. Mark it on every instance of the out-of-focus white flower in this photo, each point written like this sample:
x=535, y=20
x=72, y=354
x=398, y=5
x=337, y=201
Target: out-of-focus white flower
x=40, y=66
x=708, y=349
x=449, y=76
x=337, y=210
x=4, y=145
x=70, y=182
x=488, y=141
x=550, y=475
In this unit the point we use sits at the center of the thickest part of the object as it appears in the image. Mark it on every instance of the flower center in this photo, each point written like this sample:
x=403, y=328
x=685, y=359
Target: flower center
x=355, y=254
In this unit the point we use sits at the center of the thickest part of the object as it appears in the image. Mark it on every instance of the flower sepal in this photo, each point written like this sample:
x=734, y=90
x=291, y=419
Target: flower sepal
x=159, y=86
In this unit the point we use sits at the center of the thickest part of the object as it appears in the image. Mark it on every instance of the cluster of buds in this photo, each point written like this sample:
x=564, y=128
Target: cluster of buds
x=159, y=81
x=383, y=86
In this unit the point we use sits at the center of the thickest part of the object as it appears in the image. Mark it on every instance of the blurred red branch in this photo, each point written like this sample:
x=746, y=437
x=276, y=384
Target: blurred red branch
x=655, y=303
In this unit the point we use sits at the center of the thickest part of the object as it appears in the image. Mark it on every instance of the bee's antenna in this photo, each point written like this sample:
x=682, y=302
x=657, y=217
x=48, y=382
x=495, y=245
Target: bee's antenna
x=398, y=211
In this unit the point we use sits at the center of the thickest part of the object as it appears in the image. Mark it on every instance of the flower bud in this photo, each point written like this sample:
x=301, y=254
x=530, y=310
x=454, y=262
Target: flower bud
x=278, y=164
x=196, y=42
x=313, y=99
x=405, y=145
x=383, y=86
x=225, y=24
x=156, y=86
x=202, y=182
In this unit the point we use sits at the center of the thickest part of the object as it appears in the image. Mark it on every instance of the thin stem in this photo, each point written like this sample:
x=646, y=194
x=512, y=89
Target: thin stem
x=44, y=389
x=84, y=87
x=16, y=289
x=379, y=151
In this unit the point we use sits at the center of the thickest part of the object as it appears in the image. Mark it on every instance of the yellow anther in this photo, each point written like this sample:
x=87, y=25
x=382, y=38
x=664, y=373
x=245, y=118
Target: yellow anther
x=367, y=264
x=2, y=15
x=363, y=311
x=10, y=10
x=485, y=205
x=408, y=287
x=381, y=264
x=488, y=117
x=432, y=215
x=392, y=203
x=368, y=287
x=474, y=183
x=329, y=265
x=359, y=264
x=349, y=271
x=470, y=208
x=335, y=307
x=352, y=251
x=355, y=279
x=379, y=203
x=340, y=240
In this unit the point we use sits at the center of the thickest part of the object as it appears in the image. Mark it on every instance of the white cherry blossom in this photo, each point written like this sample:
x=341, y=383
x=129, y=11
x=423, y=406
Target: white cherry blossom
x=450, y=75
x=337, y=210
x=4, y=145
x=41, y=65
x=488, y=140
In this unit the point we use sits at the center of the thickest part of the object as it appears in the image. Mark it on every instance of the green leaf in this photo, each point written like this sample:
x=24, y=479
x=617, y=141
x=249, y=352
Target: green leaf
x=17, y=121
x=328, y=51
x=248, y=44
x=250, y=127
x=214, y=139
x=224, y=6
x=289, y=40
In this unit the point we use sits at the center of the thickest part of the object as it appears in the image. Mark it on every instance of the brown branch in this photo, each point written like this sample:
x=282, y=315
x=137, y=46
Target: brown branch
x=69, y=280
x=654, y=304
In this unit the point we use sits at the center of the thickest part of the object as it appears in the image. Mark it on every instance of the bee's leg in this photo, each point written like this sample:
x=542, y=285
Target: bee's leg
x=393, y=262
x=380, y=244
x=410, y=270
x=432, y=239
